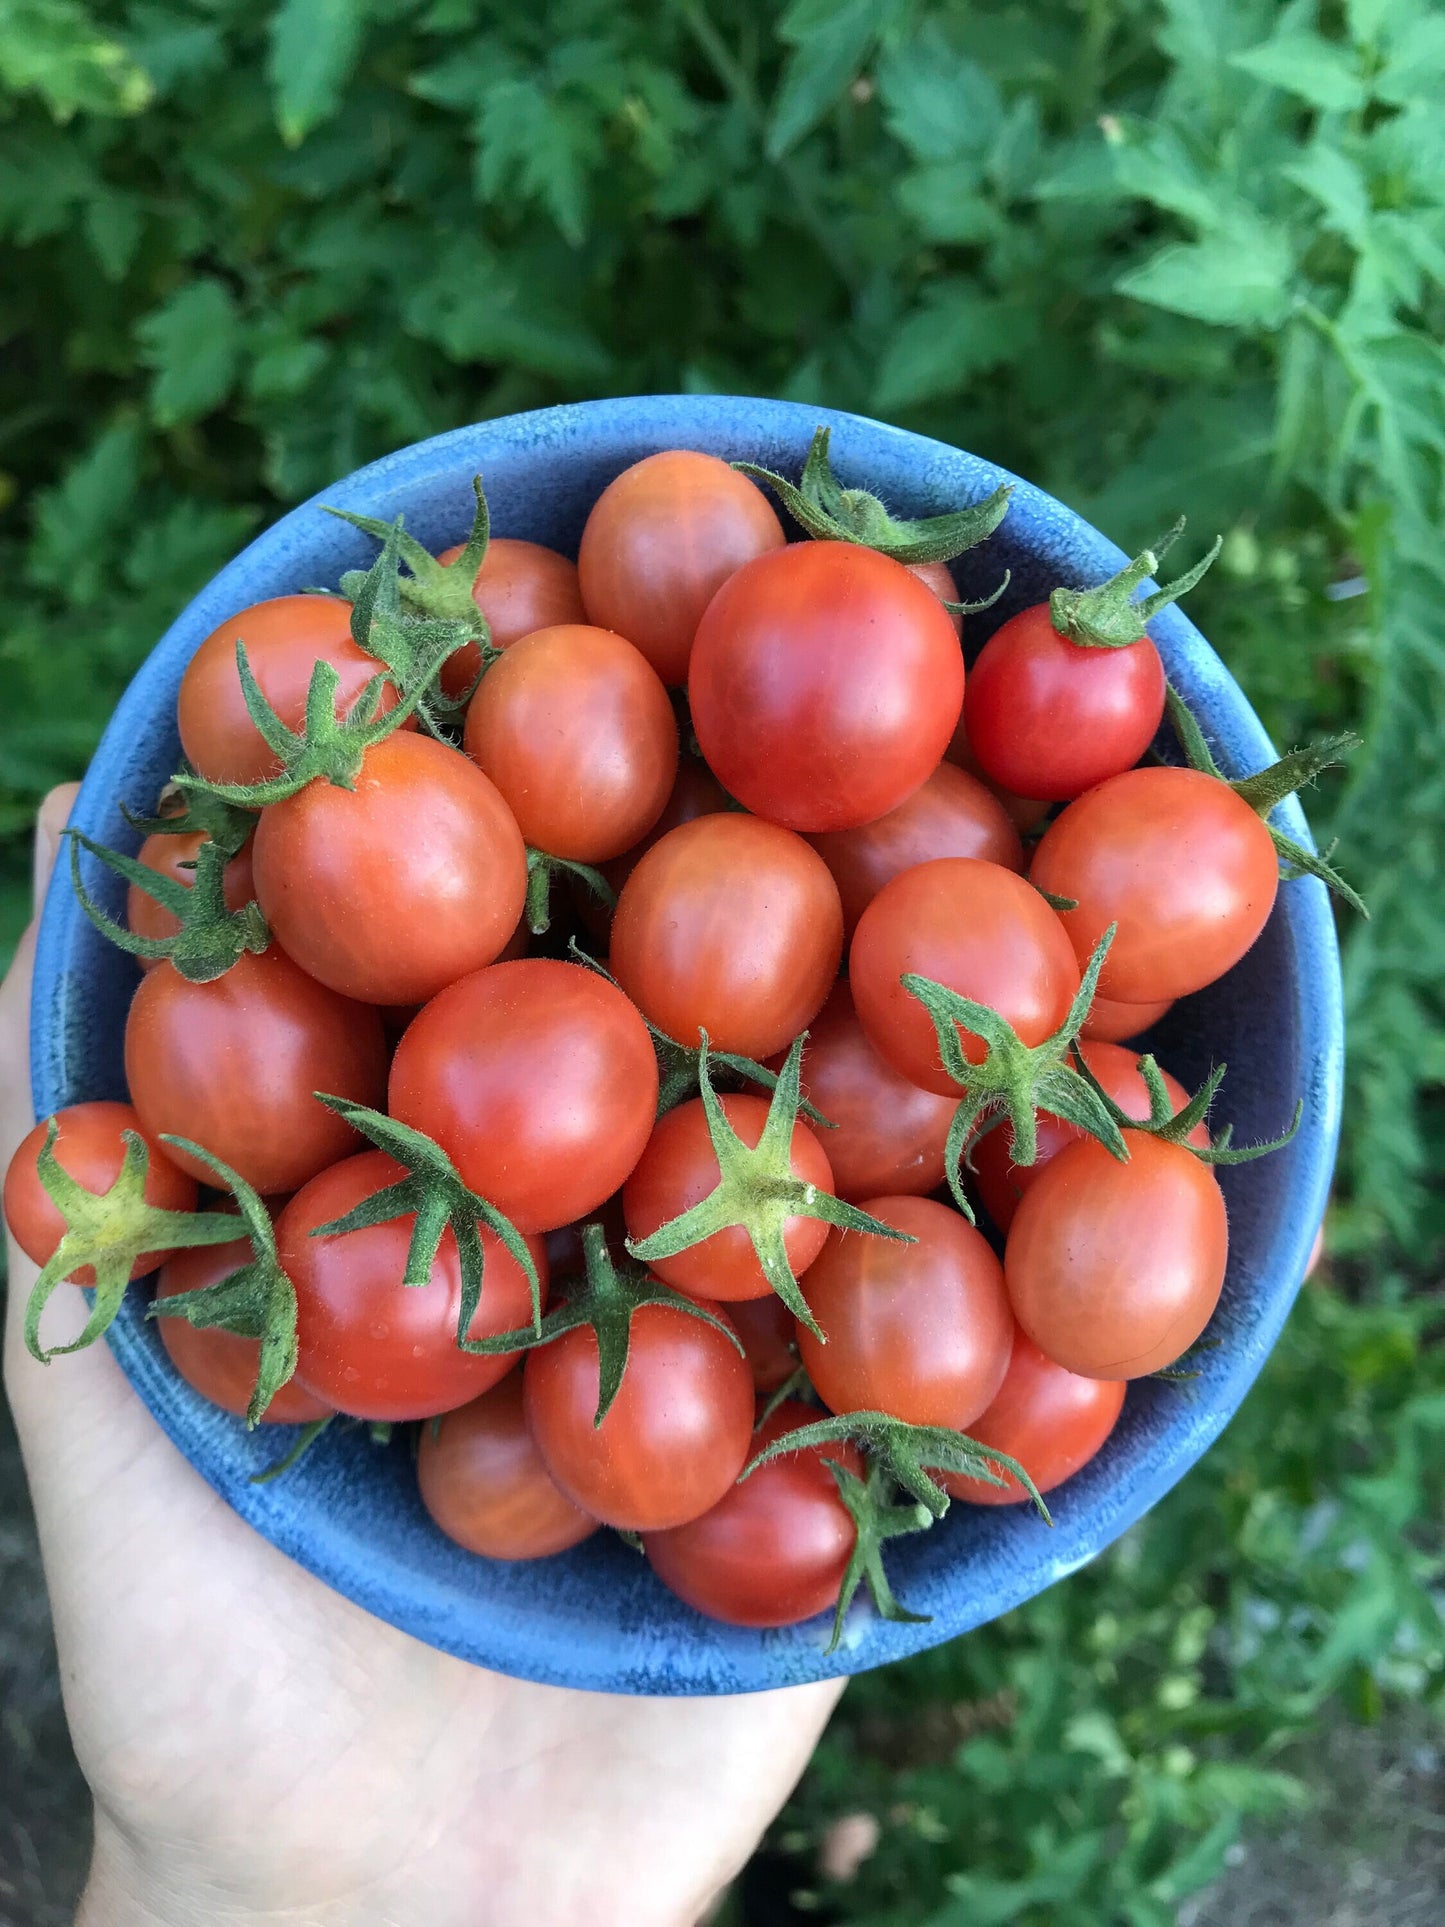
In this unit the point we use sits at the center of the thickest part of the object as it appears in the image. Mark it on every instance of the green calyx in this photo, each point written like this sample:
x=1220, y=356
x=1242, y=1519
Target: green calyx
x=758, y=1191
x=543, y=871
x=257, y=1300
x=1015, y=1080
x=108, y=1231
x=211, y=937
x=441, y=590
x=832, y=513
x=1173, y=1127
x=1107, y=617
x=433, y=1191
x=607, y=1300
x=196, y=813
x=293, y=1455
x=1269, y=787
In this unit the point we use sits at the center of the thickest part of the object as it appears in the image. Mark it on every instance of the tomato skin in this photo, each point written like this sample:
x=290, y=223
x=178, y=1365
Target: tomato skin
x=677, y=1434
x=889, y=1135
x=774, y=1549
x=285, y=638
x=1115, y=1269
x=765, y=1325
x=521, y=586
x=660, y=541
x=576, y=730
x=825, y=685
x=922, y=1331
x=1113, y=1023
x=1049, y=718
x=89, y=1146
x=679, y=1169
x=538, y=1079
x=939, y=577
x=731, y=925
x=1024, y=812
x=370, y=1345
x=234, y=1066
x=389, y=892
x=1001, y=1183
x=484, y=1484
x=952, y=814
x=1050, y=1420
x=218, y=1364
x=1182, y=865
x=168, y=855
x=978, y=930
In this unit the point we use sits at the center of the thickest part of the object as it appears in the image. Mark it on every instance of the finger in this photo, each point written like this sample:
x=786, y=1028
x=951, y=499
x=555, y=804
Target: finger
x=52, y=819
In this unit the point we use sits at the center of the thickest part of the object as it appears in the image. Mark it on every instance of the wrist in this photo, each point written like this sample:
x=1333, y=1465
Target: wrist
x=126, y=1889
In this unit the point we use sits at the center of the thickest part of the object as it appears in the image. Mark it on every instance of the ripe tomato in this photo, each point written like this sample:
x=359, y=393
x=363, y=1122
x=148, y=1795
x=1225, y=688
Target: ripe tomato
x=765, y=1325
x=1050, y=1420
x=922, y=1331
x=952, y=814
x=1113, y=1023
x=1182, y=865
x=88, y=1145
x=520, y=586
x=677, y=1434
x=976, y=929
x=392, y=890
x=660, y=541
x=825, y=685
x=1050, y=718
x=483, y=1481
x=1115, y=1269
x=222, y=1365
x=1001, y=1183
x=576, y=731
x=285, y=638
x=234, y=1065
x=1024, y=812
x=679, y=1169
x=774, y=1549
x=939, y=577
x=168, y=856
x=695, y=792
x=370, y=1345
x=890, y=1135
x=731, y=925
x=538, y=1079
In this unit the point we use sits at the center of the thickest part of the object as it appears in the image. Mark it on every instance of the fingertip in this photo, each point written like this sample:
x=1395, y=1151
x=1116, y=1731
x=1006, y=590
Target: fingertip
x=50, y=820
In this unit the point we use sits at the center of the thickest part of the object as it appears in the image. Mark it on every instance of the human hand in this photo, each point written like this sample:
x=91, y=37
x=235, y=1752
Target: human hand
x=260, y=1748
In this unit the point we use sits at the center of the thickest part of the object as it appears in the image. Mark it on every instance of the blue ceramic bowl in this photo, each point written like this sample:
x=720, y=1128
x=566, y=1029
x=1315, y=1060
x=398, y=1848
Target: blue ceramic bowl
x=596, y=1617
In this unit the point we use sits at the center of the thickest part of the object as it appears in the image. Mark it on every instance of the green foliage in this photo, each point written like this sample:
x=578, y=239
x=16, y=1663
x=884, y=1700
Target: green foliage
x=1182, y=254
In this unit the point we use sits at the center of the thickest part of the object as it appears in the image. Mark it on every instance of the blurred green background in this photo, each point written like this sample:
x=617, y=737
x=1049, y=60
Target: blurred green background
x=1154, y=254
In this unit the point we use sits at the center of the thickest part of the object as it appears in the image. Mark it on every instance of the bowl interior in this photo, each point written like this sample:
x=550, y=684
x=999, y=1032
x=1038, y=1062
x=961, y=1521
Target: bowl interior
x=595, y=1617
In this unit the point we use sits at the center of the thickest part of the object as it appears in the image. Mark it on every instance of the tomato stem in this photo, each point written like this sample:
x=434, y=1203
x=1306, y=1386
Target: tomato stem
x=1173, y=1127
x=210, y=937
x=440, y=590
x=542, y=870
x=1107, y=617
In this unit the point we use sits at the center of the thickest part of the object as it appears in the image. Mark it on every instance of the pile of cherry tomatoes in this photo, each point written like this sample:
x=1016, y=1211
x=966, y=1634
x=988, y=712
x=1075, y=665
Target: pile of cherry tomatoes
x=582, y=1003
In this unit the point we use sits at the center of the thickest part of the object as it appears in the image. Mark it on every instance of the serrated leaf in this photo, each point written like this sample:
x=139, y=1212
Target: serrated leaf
x=936, y=101
x=191, y=344
x=830, y=41
x=314, y=44
x=953, y=335
x=1332, y=178
x=58, y=50
x=539, y=144
x=1237, y=278
x=75, y=536
x=1308, y=66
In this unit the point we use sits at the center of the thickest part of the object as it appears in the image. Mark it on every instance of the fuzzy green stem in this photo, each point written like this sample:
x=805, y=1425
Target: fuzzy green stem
x=1107, y=617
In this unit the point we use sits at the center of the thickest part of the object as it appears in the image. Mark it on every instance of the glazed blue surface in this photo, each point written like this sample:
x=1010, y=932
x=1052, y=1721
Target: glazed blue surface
x=595, y=1617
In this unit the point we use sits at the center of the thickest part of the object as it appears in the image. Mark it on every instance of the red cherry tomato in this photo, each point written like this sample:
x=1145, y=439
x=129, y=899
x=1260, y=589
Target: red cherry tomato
x=1001, y=1182
x=89, y=1146
x=659, y=543
x=234, y=1065
x=765, y=1325
x=729, y=925
x=1024, y=812
x=974, y=928
x=696, y=792
x=677, y=1434
x=1180, y=862
x=774, y=1549
x=169, y=856
x=391, y=891
x=520, y=586
x=679, y=1169
x=939, y=577
x=1050, y=1420
x=370, y=1345
x=1049, y=718
x=1112, y=1023
x=285, y=639
x=483, y=1481
x=576, y=731
x=952, y=814
x=922, y=1331
x=222, y=1365
x=1115, y=1269
x=889, y=1135
x=538, y=1079
x=825, y=685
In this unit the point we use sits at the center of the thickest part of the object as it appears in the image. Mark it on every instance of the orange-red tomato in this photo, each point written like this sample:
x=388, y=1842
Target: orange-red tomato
x=1115, y=1269
x=765, y=1325
x=1114, y=1023
x=576, y=731
x=222, y=1365
x=659, y=543
x=521, y=586
x=695, y=792
x=939, y=577
x=483, y=1481
x=169, y=855
x=1050, y=1420
x=1024, y=812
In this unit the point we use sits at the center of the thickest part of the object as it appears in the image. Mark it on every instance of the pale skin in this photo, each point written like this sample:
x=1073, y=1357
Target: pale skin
x=260, y=1750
